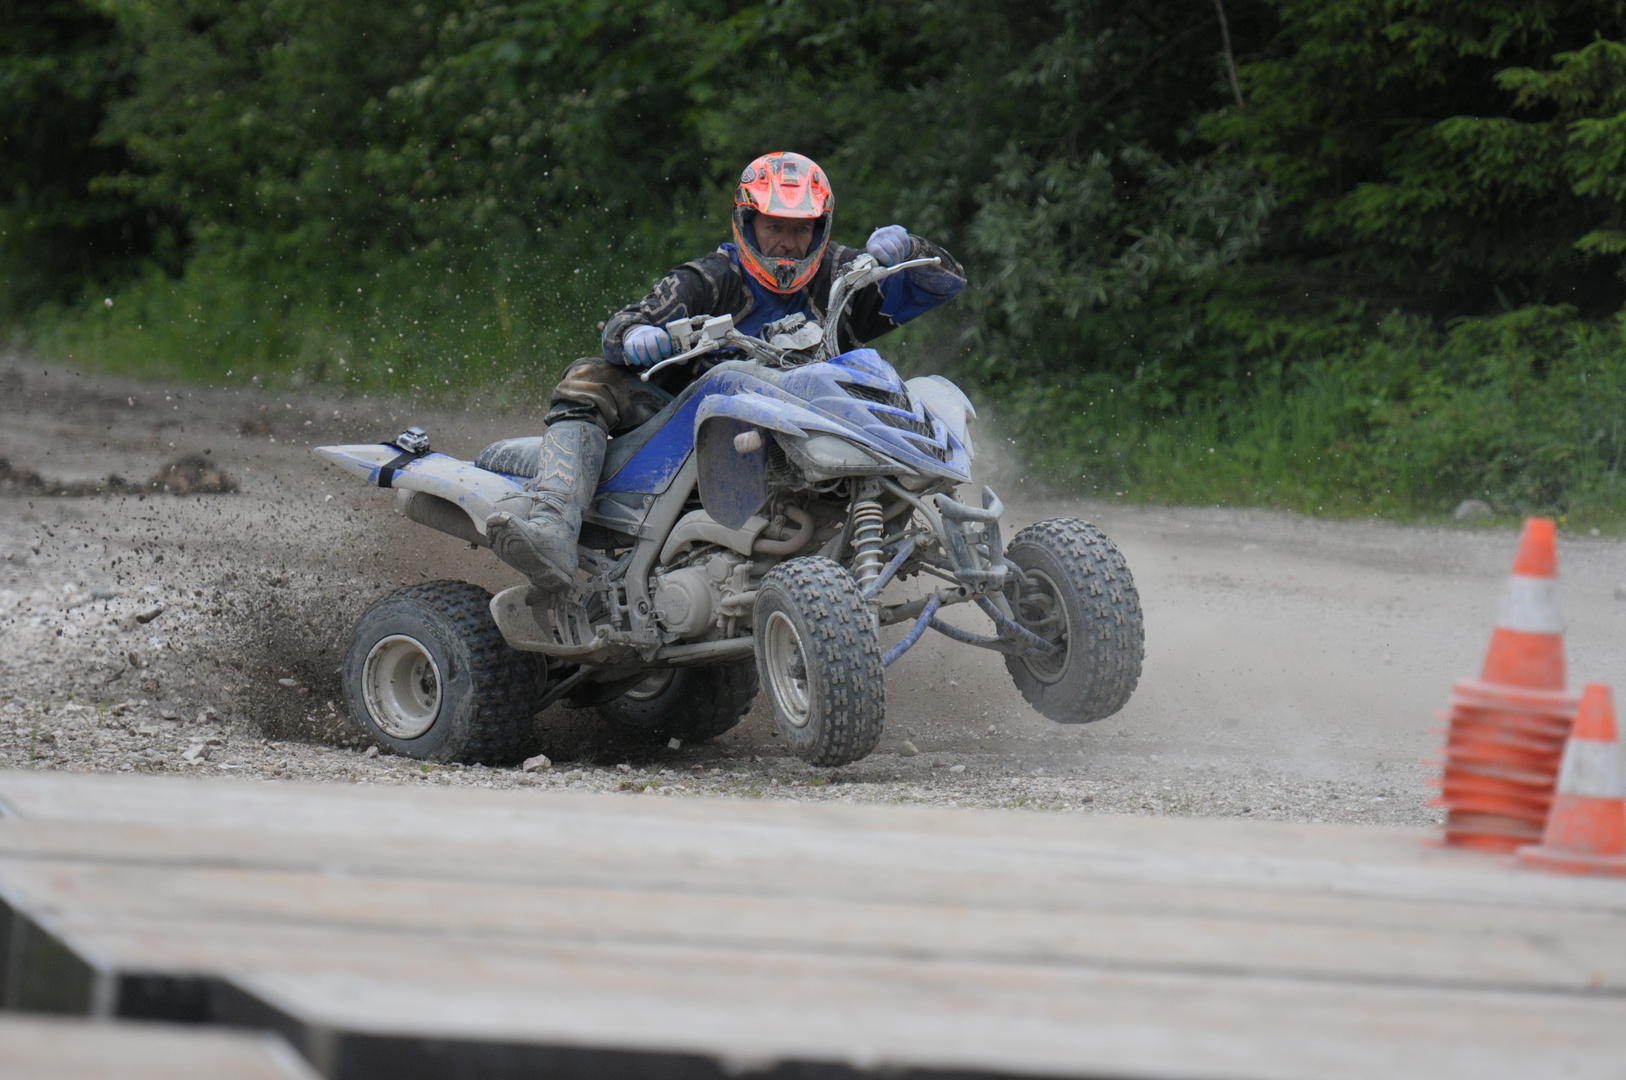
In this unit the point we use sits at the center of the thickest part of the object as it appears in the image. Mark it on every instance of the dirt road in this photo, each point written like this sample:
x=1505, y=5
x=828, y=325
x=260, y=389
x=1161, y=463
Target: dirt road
x=1293, y=665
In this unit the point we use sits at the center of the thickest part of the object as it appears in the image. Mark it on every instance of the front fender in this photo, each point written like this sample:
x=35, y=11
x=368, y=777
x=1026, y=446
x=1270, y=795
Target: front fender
x=771, y=414
x=949, y=404
x=734, y=485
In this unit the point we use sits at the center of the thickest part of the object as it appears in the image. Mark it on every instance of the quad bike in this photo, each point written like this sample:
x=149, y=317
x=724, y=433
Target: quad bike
x=741, y=537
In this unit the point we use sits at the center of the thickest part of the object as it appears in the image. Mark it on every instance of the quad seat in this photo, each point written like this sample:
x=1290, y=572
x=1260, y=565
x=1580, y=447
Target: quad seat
x=521, y=457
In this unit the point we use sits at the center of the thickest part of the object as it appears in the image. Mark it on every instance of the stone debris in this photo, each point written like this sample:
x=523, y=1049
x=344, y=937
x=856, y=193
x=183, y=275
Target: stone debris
x=537, y=763
x=1468, y=509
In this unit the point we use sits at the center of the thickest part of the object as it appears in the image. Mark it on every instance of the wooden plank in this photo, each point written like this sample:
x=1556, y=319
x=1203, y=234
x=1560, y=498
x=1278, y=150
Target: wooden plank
x=873, y=846
x=56, y=1048
x=1314, y=937
x=1023, y=1021
x=974, y=941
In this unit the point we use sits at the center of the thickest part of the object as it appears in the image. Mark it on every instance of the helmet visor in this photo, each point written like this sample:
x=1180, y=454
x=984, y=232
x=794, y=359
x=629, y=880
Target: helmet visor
x=781, y=273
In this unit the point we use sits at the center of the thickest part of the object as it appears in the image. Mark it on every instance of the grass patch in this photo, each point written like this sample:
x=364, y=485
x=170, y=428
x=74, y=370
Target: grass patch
x=500, y=323
x=1522, y=412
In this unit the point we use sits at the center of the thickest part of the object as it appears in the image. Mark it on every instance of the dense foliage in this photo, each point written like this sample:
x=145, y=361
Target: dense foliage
x=1384, y=279
x=62, y=64
x=1419, y=143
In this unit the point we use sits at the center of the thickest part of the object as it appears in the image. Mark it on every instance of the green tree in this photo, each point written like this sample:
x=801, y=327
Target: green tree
x=254, y=123
x=62, y=62
x=1576, y=147
x=1373, y=121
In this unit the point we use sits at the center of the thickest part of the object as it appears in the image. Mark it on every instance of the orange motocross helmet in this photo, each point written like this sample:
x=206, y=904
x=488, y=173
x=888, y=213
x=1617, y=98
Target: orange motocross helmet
x=782, y=185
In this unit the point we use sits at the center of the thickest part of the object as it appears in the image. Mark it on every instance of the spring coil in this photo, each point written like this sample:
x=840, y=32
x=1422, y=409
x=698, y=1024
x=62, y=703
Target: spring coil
x=867, y=527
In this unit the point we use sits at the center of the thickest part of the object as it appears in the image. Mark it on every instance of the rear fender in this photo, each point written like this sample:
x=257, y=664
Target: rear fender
x=472, y=490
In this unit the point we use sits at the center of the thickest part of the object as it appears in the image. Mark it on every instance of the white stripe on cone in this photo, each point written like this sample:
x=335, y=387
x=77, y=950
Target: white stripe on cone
x=1530, y=605
x=1591, y=769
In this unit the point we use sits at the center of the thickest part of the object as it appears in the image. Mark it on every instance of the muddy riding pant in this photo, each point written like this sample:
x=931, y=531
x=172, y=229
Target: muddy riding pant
x=612, y=396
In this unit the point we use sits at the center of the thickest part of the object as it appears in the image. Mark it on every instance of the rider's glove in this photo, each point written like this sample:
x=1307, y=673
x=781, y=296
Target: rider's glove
x=889, y=244
x=646, y=346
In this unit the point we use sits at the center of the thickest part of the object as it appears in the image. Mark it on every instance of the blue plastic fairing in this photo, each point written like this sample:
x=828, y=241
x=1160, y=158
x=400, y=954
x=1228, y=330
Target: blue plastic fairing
x=857, y=396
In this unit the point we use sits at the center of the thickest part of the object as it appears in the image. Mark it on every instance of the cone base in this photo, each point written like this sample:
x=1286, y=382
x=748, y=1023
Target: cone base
x=1490, y=831
x=1559, y=861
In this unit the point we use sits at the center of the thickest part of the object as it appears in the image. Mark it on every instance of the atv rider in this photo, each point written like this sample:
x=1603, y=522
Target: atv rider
x=775, y=267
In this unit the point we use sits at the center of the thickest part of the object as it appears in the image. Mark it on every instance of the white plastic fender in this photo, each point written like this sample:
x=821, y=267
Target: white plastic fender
x=474, y=490
x=949, y=404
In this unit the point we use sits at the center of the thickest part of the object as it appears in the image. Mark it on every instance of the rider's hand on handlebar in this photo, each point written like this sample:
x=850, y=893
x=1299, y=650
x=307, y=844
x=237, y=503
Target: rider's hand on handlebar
x=889, y=244
x=646, y=346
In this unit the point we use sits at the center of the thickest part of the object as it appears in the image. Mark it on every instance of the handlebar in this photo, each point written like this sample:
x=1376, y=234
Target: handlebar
x=704, y=334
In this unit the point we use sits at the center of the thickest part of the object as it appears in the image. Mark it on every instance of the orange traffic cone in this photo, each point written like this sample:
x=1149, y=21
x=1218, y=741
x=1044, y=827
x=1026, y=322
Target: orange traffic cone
x=1508, y=727
x=1527, y=646
x=1586, y=831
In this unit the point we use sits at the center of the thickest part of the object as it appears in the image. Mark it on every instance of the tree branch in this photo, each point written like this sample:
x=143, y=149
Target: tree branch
x=1230, y=59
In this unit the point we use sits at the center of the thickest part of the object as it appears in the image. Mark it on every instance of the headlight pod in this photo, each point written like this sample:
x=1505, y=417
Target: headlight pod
x=825, y=457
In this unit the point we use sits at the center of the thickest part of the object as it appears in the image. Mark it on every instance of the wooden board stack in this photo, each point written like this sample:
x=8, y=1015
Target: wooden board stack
x=56, y=1048
x=410, y=933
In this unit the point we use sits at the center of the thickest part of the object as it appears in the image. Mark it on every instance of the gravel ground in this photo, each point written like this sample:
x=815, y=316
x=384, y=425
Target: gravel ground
x=1293, y=665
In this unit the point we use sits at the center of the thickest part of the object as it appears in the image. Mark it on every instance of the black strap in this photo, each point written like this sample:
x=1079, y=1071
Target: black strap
x=387, y=473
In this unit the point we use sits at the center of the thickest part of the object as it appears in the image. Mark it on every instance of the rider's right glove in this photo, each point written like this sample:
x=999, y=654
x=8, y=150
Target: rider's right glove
x=646, y=346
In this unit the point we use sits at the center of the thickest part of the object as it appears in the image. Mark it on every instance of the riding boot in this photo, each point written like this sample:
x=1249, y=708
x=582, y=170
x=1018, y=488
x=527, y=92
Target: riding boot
x=535, y=531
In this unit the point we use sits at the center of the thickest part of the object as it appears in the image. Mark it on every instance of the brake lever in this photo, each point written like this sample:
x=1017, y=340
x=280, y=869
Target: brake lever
x=706, y=346
x=883, y=272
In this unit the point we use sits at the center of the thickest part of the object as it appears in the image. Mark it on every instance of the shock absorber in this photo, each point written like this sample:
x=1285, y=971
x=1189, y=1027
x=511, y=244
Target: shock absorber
x=866, y=541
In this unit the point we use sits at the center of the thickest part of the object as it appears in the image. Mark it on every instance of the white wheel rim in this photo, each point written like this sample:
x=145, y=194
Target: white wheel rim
x=652, y=686
x=787, y=670
x=402, y=686
x=1046, y=668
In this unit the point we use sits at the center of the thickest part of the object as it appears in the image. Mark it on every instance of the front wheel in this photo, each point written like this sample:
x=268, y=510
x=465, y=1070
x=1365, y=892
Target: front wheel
x=428, y=675
x=1076, y=590
x=820, y=659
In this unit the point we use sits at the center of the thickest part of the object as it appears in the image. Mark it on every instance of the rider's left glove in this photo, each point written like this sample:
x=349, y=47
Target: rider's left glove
x=889, y=244
x=646, y=346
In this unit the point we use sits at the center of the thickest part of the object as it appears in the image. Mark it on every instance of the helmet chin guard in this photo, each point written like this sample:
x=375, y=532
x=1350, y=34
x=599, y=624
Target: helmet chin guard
x=782, y=185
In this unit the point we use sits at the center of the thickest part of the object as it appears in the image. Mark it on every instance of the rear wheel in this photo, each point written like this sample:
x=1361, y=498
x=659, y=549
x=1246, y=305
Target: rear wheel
x=427, y=674
x=1076, y=590
x=820, y=658
x=689, y=703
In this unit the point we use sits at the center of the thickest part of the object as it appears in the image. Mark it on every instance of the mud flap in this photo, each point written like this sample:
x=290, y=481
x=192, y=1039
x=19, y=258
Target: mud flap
x=733, y=486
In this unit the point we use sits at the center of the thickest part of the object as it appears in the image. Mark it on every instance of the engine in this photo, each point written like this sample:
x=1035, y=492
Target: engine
x=693, y=599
